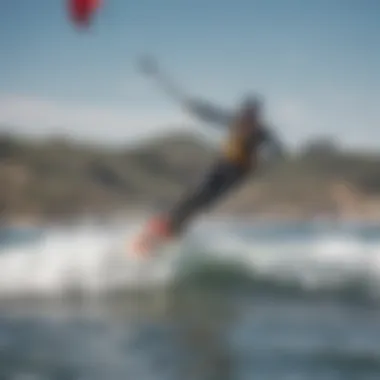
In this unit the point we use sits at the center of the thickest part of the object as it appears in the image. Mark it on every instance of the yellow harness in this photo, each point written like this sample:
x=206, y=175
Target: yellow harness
x=237, y=150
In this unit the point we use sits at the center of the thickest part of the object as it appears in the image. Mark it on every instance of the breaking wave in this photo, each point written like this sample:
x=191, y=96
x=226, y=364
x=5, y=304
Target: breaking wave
x=312, y=259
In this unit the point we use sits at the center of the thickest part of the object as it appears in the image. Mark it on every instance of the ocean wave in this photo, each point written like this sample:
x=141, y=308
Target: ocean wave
x=94, y=261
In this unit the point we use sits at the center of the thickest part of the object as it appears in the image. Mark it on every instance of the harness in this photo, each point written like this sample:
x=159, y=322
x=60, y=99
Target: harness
x=240, y=149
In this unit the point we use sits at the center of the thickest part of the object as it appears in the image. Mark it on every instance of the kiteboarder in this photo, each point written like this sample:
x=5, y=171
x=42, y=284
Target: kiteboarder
x=238, y=158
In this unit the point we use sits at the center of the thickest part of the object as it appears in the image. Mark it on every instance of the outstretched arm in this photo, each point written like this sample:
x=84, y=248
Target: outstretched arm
x=208, y=113
x=202, y=110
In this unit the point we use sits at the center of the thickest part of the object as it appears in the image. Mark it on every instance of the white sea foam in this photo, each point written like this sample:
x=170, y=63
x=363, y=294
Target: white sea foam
x=93, y=260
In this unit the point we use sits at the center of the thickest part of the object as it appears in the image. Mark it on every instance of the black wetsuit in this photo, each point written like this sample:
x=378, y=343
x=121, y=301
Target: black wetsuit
x=224, y=176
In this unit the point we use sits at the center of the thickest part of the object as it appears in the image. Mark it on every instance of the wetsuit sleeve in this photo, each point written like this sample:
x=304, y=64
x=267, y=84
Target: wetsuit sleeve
x=208, y=112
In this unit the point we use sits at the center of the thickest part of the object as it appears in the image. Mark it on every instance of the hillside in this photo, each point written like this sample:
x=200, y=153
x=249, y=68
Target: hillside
x=59, y=178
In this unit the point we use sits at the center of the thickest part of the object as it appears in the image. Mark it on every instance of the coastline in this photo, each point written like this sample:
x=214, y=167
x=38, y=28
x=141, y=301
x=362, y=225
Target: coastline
x=42, y=187
x=129, y=215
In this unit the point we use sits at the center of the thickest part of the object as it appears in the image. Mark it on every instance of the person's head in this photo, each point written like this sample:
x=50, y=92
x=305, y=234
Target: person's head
x=252, y=105
x=250, y=113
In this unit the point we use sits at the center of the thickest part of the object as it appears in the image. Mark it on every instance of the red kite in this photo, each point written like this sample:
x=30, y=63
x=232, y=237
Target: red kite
x=82, y=11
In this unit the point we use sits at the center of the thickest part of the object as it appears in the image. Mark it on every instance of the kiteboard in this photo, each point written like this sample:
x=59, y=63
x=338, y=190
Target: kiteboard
x=153, y=238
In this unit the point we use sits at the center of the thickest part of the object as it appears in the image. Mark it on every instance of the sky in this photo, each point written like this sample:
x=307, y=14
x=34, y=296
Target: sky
x=315, y=62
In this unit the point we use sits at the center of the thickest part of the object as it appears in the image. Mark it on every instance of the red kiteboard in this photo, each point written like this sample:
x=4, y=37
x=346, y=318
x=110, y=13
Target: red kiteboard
x=155, y=234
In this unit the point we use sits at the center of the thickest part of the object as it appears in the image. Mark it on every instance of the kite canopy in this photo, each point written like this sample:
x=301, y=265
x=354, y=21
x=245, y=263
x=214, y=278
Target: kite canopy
x=82, y=11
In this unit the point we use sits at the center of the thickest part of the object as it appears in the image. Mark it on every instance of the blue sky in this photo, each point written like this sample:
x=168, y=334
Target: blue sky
x=316, y=62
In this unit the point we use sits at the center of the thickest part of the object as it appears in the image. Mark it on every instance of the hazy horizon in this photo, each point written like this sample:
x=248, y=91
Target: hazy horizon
x=316, y=63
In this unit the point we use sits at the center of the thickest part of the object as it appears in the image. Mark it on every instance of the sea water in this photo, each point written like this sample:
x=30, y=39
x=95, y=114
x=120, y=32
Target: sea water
x=236, y=300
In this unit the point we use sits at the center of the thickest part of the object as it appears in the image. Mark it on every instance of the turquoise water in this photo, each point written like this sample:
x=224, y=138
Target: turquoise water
x=238, y=301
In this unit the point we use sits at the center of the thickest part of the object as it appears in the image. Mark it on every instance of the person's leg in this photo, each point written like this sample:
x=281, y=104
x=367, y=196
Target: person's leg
x=222, y=178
